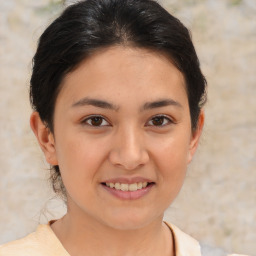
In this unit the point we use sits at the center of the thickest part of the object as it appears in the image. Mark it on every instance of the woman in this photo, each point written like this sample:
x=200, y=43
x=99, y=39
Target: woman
x=117, y=94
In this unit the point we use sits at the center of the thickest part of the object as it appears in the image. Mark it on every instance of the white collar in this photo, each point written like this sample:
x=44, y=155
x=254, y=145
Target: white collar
x=185, y=245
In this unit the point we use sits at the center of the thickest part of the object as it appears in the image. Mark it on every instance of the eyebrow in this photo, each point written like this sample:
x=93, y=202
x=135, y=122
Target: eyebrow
x=106, y=105
x=96, y=103
x=160, y=103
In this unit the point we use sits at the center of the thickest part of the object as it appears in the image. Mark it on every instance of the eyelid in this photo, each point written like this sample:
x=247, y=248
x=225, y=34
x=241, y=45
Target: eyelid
x=84, y=120
x=170, y=120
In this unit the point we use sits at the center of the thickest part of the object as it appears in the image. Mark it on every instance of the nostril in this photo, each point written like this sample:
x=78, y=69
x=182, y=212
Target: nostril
x=128, y=156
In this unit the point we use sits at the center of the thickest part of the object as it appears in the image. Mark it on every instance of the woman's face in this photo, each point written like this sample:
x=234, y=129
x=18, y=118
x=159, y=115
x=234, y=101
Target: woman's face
x=121, y=123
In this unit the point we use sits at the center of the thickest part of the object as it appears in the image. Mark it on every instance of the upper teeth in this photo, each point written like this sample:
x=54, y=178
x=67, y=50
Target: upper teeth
x=127, y=187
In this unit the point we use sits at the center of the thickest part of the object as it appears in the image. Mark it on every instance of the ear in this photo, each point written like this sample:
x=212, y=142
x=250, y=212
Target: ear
x=44, y=137
x=196, y=136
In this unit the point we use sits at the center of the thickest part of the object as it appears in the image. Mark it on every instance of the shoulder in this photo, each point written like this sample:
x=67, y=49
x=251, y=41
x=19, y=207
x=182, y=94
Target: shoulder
x=42, y=242
x=186, y=245
x=207, y=250
x=24, y=246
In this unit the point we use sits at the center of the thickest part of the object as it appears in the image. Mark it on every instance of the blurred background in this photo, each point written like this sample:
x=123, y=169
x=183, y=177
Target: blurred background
x=217, y=204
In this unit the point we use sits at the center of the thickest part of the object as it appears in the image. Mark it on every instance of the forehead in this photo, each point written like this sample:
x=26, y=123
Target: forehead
x=123, y=72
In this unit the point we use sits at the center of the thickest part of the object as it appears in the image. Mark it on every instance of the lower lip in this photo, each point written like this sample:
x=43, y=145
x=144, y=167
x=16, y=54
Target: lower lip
x=129, y=195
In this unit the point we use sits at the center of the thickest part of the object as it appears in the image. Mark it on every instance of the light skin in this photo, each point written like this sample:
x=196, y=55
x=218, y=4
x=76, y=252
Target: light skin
x=123, y=114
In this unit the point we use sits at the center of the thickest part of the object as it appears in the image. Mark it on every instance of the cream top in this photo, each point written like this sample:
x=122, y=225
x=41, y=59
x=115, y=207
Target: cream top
x=43, y=242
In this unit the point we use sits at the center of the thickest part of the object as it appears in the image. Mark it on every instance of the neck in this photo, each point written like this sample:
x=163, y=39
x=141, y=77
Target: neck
x=82, y=235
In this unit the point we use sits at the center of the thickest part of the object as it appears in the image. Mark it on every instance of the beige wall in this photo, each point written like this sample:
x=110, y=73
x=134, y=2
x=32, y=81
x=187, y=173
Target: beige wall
x=217, y=203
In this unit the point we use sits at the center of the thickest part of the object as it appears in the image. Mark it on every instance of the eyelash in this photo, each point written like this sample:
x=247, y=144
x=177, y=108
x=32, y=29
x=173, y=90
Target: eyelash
x=166, y=118
x=85, y=121
x=167, y=121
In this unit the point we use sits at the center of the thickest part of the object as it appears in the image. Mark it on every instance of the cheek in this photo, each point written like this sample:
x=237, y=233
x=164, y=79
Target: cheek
x=172, y=160
x=173, y=166
x=172, y=151
x=79, y=159
x=79, y=150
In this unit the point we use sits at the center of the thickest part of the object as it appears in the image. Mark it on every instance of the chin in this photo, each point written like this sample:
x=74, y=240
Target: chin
x=130, y=220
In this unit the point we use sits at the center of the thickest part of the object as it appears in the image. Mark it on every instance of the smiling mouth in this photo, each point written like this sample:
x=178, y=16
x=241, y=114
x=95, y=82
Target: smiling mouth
x=128, y=187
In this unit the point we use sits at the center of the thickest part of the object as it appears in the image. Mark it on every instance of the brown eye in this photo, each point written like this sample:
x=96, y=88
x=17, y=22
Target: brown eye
x=159, y=121
x=96, y=121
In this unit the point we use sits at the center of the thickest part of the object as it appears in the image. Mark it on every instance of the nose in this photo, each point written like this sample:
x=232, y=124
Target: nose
x=128, y=150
